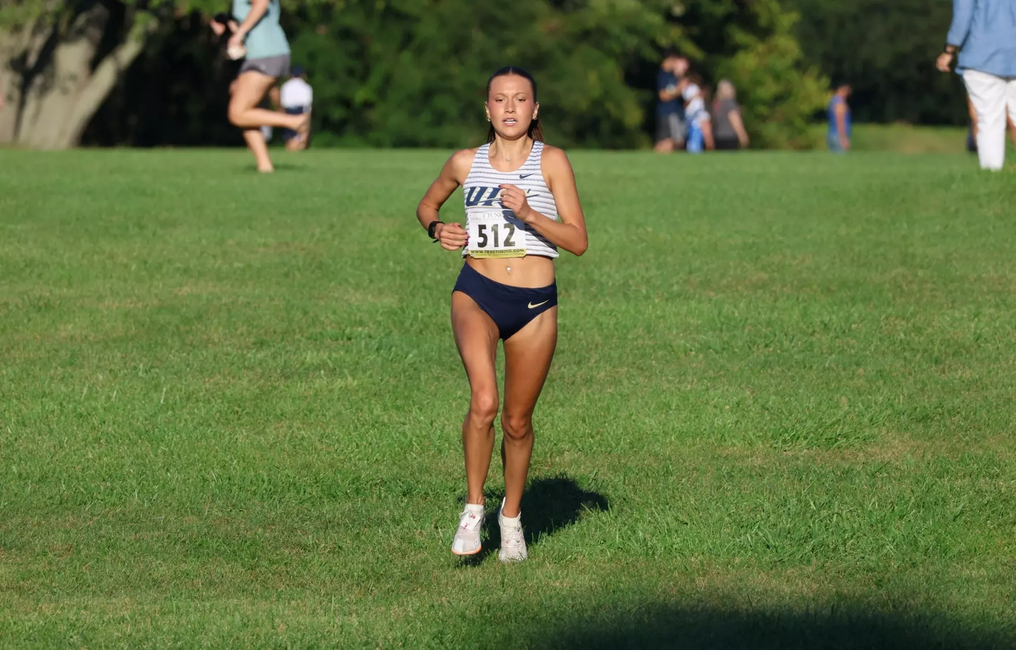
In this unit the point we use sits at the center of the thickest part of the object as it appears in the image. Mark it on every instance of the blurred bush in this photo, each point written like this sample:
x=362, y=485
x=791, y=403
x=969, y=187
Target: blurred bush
x=413, y=73
x=886, y=51
x=778, y=91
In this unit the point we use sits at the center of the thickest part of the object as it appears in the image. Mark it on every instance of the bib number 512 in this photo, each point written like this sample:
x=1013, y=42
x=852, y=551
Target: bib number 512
x=497, y=232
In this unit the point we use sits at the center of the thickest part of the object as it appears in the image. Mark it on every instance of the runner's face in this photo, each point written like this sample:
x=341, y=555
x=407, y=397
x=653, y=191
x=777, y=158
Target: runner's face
x=510, y=106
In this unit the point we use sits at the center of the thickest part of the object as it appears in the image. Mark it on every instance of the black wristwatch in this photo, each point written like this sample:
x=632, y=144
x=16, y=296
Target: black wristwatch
x=432, y=228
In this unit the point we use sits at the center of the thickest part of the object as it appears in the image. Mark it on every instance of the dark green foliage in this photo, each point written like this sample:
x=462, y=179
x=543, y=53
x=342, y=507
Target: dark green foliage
x=413, y=73
x=886, y=50
x=175, y=94
x=752, y=44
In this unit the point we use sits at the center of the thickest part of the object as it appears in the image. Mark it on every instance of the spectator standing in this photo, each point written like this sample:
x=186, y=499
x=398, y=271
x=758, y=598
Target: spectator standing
x=669, y=107
x=700, y=129
x=728, y=126
x=983, y=33
x=258, y=39
x=841, y=124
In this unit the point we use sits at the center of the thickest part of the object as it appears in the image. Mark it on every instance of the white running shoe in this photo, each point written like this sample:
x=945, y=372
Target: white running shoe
x=513, y=542
x=467, y=537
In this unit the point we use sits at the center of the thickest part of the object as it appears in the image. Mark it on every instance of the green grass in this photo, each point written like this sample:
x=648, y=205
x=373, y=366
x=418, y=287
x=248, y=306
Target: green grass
x=781, y=414
x=906, y=138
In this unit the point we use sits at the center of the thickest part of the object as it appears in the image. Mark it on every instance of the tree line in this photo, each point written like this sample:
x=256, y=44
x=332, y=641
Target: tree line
x=412, y=72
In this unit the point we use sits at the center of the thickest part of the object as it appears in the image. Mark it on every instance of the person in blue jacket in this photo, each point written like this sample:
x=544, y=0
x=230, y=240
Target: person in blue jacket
x=983, y=35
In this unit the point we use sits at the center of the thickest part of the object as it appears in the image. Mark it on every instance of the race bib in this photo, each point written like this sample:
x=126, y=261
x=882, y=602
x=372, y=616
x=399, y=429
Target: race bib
x=496, y=234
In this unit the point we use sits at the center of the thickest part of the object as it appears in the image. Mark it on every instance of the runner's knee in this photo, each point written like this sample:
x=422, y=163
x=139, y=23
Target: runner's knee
x=235, y=111
x=516, y=427
x=483, y=408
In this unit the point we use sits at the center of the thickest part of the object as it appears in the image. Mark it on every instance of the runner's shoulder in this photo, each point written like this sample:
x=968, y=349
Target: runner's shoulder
x=461, y=162
x=554, y=159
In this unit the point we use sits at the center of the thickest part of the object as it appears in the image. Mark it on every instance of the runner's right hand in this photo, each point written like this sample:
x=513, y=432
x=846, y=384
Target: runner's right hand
x=452, y=236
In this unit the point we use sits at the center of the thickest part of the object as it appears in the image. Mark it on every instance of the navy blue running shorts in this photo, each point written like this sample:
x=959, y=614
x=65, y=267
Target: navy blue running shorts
x=511, y=308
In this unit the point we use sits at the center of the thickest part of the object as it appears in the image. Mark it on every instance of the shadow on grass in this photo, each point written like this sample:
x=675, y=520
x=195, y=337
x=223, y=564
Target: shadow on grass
x=248, y=169
x=835, y=628
x=548, y=505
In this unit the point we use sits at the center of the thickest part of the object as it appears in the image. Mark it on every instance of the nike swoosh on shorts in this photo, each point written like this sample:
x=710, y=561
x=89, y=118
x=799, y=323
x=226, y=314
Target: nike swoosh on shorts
x=532, y=306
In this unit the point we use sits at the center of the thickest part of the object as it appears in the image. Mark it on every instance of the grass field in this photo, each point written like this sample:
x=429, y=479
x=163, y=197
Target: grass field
x=781, y=414
x=905, y=138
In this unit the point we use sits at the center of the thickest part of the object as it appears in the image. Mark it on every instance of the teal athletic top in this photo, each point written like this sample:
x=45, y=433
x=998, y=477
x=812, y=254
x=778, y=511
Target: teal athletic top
x=266, y=38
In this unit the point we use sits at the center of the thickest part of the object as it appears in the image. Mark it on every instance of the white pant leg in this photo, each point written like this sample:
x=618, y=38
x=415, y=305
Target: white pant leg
x=988, y=94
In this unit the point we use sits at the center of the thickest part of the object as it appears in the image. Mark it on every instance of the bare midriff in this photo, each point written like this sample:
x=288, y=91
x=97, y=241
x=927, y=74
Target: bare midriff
x=529, y=272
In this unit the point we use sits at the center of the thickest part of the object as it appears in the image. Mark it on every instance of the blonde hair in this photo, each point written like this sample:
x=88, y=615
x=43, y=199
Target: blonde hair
x=725, y=90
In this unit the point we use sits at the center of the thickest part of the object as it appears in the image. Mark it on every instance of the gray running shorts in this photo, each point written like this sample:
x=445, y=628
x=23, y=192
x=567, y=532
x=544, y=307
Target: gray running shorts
x=669, y=127
x=273, y=66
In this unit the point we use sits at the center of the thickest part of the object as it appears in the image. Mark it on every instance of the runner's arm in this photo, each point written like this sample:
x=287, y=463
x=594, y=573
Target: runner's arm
x=570, y=232
x=258, y=8
x=453, y=174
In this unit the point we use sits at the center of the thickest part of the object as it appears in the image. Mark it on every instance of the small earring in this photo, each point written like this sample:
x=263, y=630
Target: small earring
x=488, y=118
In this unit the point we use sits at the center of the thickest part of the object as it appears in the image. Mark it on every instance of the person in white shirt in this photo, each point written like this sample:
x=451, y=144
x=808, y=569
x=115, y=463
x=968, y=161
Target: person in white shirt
x=296, y=98
x=700, y=128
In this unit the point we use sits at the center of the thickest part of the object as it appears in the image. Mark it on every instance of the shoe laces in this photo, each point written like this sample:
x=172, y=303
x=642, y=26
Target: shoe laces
x=512, y=535
x=469, y=520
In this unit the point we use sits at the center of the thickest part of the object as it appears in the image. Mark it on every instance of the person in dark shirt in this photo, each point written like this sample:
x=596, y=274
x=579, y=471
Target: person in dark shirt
x=669, y=106
x=728, y=126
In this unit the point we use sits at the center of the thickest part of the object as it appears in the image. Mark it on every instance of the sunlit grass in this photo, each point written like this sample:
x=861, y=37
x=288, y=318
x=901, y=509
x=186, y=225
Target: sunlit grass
x=781, y=413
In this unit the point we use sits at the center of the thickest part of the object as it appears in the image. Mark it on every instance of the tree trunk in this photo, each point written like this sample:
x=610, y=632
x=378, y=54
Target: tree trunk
x=11, y=96
x=54, y=76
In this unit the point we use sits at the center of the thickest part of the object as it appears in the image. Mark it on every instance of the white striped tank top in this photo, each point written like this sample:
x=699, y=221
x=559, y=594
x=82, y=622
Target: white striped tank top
x=481, y=191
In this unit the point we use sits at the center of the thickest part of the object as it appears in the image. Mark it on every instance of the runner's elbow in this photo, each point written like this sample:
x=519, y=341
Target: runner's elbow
x=425, y=209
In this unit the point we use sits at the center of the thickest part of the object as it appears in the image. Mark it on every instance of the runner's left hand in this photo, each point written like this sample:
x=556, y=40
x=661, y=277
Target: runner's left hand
x=514, y=198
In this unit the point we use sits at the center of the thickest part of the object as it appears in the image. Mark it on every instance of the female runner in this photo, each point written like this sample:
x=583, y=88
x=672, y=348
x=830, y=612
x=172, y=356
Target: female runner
x=258, y=32
x=521, y=205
